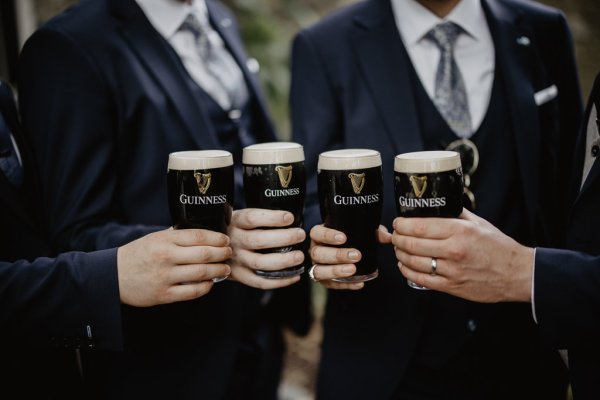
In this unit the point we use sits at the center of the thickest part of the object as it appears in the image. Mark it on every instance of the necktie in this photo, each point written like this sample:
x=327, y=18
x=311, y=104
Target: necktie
x=9, y=161
x=217, y=61
x=450, y=95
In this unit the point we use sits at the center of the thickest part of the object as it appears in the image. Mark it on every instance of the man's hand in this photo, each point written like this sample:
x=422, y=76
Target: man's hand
x=475, y=260
x=336, y=262
x=251, y=229
x=171, y=265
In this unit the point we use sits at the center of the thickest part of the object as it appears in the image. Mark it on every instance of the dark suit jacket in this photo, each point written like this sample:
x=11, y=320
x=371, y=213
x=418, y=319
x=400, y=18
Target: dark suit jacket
x=351, y=89
x=48, y=305
x=566, y=284
x=104, y=100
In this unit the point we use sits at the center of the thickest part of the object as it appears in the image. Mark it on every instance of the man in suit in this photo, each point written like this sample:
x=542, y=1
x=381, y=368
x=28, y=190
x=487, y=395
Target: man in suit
x=133, y=81
x=369, y=76
x=478, y=262
x=51, y=306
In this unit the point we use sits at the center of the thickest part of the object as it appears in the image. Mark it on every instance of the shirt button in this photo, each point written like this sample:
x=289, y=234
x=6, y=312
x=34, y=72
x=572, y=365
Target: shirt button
x=472, y=325
x=595, y=150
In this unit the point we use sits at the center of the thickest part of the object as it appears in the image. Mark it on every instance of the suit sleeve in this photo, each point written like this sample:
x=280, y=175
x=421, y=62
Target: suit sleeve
x=67, y=118
x=315, y=115
x=566, y=296
x=69, y=301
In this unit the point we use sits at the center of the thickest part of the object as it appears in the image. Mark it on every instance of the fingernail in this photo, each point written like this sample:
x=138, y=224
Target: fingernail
x=339, y=238
x=347, y=269
x=298, y=256
x=353, y=255
x=288, y=218
x=300, y=234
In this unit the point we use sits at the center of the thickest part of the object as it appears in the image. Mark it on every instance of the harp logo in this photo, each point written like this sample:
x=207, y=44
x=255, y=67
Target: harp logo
x=419, y=185
x=203, y=181
x=358, y=182
x=285, y=175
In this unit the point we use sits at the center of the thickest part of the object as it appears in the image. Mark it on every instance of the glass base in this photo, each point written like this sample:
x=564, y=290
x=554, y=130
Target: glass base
x=415, y=286
x=285, y=273
x=358, y=278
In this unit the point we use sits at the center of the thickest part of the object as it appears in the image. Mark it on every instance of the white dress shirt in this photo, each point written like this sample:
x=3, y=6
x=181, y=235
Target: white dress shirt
x=473, y=51
x=167, y=16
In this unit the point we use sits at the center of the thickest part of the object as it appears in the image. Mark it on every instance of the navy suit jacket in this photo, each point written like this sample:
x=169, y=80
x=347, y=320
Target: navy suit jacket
x=567, y=283
x=49, y=305
x=104, y=100
x=351, y=89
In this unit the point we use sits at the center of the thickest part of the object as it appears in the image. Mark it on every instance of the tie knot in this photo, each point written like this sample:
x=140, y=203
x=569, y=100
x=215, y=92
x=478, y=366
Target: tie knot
x=193, y=24
x=444, y=35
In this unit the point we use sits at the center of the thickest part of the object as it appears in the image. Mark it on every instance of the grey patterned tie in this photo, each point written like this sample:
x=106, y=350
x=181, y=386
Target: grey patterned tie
x=218, y=61
x=450, y=95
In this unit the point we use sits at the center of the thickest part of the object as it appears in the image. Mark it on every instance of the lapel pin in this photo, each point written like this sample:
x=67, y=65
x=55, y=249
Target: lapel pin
x=253, y=65
x=226, y=22
x=523, y=41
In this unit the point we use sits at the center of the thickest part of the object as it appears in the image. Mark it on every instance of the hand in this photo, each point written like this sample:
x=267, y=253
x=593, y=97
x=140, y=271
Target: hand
x=152, y=269
x=247, y=236
x=335, y=262
x=475, y=260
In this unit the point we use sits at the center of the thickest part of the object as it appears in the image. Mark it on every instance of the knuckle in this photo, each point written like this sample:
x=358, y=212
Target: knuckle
x=420, y=228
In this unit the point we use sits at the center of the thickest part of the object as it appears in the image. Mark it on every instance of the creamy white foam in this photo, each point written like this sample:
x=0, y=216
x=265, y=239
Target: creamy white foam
x=349, y=159
x=199, y=159
x=273, y=153
x=424, y=162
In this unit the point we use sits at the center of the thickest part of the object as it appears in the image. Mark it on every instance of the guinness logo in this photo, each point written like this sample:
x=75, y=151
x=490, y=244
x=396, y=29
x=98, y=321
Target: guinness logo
x=358, y=182
x=203, y=181
x=285, y=175
x=419, y=184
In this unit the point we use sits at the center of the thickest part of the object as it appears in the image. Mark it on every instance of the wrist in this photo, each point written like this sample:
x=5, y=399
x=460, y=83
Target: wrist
x=522, y=269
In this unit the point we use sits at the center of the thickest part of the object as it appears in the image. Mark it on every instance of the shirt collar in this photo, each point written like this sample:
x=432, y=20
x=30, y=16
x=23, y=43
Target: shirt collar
x=167, y=15
x=414, y=20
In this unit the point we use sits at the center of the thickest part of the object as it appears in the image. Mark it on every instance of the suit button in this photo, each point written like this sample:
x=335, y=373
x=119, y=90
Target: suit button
x=471, y=325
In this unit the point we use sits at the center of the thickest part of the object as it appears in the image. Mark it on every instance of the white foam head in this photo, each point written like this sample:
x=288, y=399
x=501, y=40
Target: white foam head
x=199, y=159
x=424, y=162
x=273, y=153
x=337, y=160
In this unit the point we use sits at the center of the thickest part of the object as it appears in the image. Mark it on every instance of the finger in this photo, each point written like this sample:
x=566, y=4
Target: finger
x=334, y=255
x=269, y=261
x=420, y=264
x=251, y=218
x=321, y=234
x=249, y=278
x=430, y=228
x=267, y=238
x=434, y=282
x=188, y=291
x=342, y=285
x=419, y=247
x=198, y=272
x=383, y=235
x=201, y=254
x=327, y=272
x=195, y=237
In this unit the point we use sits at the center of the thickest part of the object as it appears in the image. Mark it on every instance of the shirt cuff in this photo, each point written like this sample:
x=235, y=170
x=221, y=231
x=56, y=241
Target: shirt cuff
x=533, y=287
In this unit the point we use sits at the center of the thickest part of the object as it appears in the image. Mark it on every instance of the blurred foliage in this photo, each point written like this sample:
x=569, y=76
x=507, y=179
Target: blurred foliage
x=268, y=28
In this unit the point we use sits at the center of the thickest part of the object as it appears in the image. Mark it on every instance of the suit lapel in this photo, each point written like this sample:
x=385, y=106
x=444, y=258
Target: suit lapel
x=513, y=59
x=384, y=64
x=582, y=148
x=223, y=24
x=163, y=64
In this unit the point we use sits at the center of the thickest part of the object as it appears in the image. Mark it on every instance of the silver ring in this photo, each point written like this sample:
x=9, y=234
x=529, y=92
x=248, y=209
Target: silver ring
x=433, y=266
x=311, y=273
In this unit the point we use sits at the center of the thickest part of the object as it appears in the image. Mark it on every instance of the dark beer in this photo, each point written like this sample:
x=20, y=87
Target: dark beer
x=350, y=186
x=428, y=184
x=200, y=189
x=275, y=179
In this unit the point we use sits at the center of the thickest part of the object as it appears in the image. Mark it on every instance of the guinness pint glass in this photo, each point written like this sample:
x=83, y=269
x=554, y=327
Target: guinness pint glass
x=350, y=186
x=200, y=189
x=428, y=184
x=274, y=179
